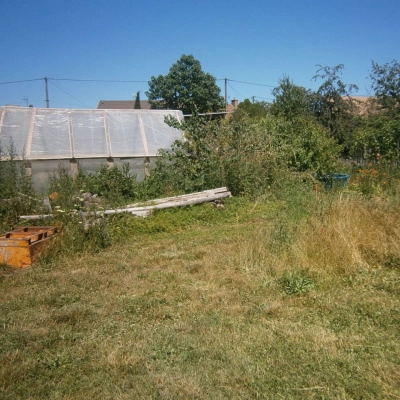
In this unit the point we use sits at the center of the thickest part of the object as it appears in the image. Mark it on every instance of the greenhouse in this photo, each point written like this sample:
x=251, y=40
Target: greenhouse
x=45, y=138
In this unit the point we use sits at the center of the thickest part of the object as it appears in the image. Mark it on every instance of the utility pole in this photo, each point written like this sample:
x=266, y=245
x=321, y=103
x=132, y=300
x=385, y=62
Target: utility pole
x=226, y=92
x=47, y=92
x=253, y=98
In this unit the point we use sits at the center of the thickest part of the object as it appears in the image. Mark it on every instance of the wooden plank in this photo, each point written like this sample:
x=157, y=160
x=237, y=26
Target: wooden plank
x=143, y=208
x=172, y=203
x=204, y=193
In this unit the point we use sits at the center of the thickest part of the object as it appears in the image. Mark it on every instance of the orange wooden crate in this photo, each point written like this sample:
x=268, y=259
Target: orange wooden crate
x=21, y=247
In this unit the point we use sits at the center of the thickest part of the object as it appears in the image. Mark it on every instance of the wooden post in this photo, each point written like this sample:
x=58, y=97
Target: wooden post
x=110, y=162
x=74, y=167
x=28, y=168
x=147, y=166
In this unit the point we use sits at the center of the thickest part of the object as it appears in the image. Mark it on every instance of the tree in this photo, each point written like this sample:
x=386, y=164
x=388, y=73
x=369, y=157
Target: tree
x=291, y=101
x=334, y=107
x=186, y=87
x=378, y=138
x=303, y=144
x=386, y=84
x=137, y=101
x=255, y=110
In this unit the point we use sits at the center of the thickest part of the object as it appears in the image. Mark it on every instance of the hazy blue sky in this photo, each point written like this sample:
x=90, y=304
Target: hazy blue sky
x=254, y=41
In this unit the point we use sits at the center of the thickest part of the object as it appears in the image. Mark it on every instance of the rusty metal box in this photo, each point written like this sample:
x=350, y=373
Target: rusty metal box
x=21, y=247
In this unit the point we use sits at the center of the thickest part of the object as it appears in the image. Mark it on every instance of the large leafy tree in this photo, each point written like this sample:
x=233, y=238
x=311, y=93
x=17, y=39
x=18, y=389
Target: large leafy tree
x=334, y=105
x=386, y=85
x=255, y=110
x=291, y=101
x=186, y=87
x=378, y=138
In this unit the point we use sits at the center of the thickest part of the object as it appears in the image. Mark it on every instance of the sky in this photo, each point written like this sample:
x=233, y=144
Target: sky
x=96, y=50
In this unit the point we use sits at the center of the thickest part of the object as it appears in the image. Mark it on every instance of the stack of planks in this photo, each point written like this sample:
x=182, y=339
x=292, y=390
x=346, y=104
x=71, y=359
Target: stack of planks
x=143, y=209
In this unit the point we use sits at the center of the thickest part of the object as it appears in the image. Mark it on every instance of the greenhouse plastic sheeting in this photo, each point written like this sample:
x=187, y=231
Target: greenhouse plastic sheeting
x=49, y=133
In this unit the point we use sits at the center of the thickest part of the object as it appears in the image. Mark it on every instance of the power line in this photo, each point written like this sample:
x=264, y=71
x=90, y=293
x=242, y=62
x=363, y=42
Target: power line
x=75, y=80
x=70, y=95
x=25, y=80
x=96, y=80
x=118, y=81
x=235, y=90
x=264, y=98
x=46, y=79
x=250, y=83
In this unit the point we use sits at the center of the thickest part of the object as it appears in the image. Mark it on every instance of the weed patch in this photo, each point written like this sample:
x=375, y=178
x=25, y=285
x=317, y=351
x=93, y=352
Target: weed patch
x=297, y=282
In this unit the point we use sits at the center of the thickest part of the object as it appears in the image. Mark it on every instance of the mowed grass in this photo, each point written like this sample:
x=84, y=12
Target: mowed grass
x=296, y=299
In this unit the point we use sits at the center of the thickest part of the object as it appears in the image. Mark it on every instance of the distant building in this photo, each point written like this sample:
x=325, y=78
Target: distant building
x=233, y=106
x=145, y=105
x=122, y=105
x=364, y=104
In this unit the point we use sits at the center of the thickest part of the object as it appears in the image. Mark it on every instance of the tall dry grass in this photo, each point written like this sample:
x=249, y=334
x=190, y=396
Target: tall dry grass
x=342, y=234
x=260, y=300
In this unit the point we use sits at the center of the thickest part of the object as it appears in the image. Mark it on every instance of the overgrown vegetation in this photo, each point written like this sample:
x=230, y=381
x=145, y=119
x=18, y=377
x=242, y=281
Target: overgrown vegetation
x=17, y=196
x=292, y=297
x=291, y=290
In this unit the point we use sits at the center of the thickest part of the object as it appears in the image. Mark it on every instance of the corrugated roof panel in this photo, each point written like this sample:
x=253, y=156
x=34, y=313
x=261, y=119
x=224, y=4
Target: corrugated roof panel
x=89, y=135
x=125, y=135
x=42, y=133
x=15, y=124
x=51, y=135
x=158, y=133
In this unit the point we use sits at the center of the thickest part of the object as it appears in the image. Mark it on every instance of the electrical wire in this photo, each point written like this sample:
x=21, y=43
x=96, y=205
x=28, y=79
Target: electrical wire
x=96, y=80
x=70, y=95
x=51, y=80
x=118, y=81
x=247, y=83
x=239, y=94
x=25, y=80
x=264, y=98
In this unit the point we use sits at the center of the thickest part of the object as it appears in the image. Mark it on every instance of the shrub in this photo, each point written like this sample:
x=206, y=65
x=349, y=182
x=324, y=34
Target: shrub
x=17, y=196
x=244, y=154
x=373, y=180
x=115, y=184
x=83, y=229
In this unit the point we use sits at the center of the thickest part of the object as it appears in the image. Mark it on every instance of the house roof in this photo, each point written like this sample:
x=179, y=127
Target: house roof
x=122, y=104
x=363, y=104
x=145, y=105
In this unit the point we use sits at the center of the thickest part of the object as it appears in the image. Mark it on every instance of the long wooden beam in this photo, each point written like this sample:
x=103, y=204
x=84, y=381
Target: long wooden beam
x=144, y=208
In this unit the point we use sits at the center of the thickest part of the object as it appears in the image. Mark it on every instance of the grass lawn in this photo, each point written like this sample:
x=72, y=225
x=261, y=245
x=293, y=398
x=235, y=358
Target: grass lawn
x=260, y=300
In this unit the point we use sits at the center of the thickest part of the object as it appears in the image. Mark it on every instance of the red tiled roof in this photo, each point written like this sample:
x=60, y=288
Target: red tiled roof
x=122, y=104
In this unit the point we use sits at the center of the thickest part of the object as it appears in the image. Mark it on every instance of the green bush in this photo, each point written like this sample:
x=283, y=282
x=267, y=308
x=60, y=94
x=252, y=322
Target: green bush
x=83, y=227
x=115, y=184
x=375, y=179
x=17, y=196
x=244, y=154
